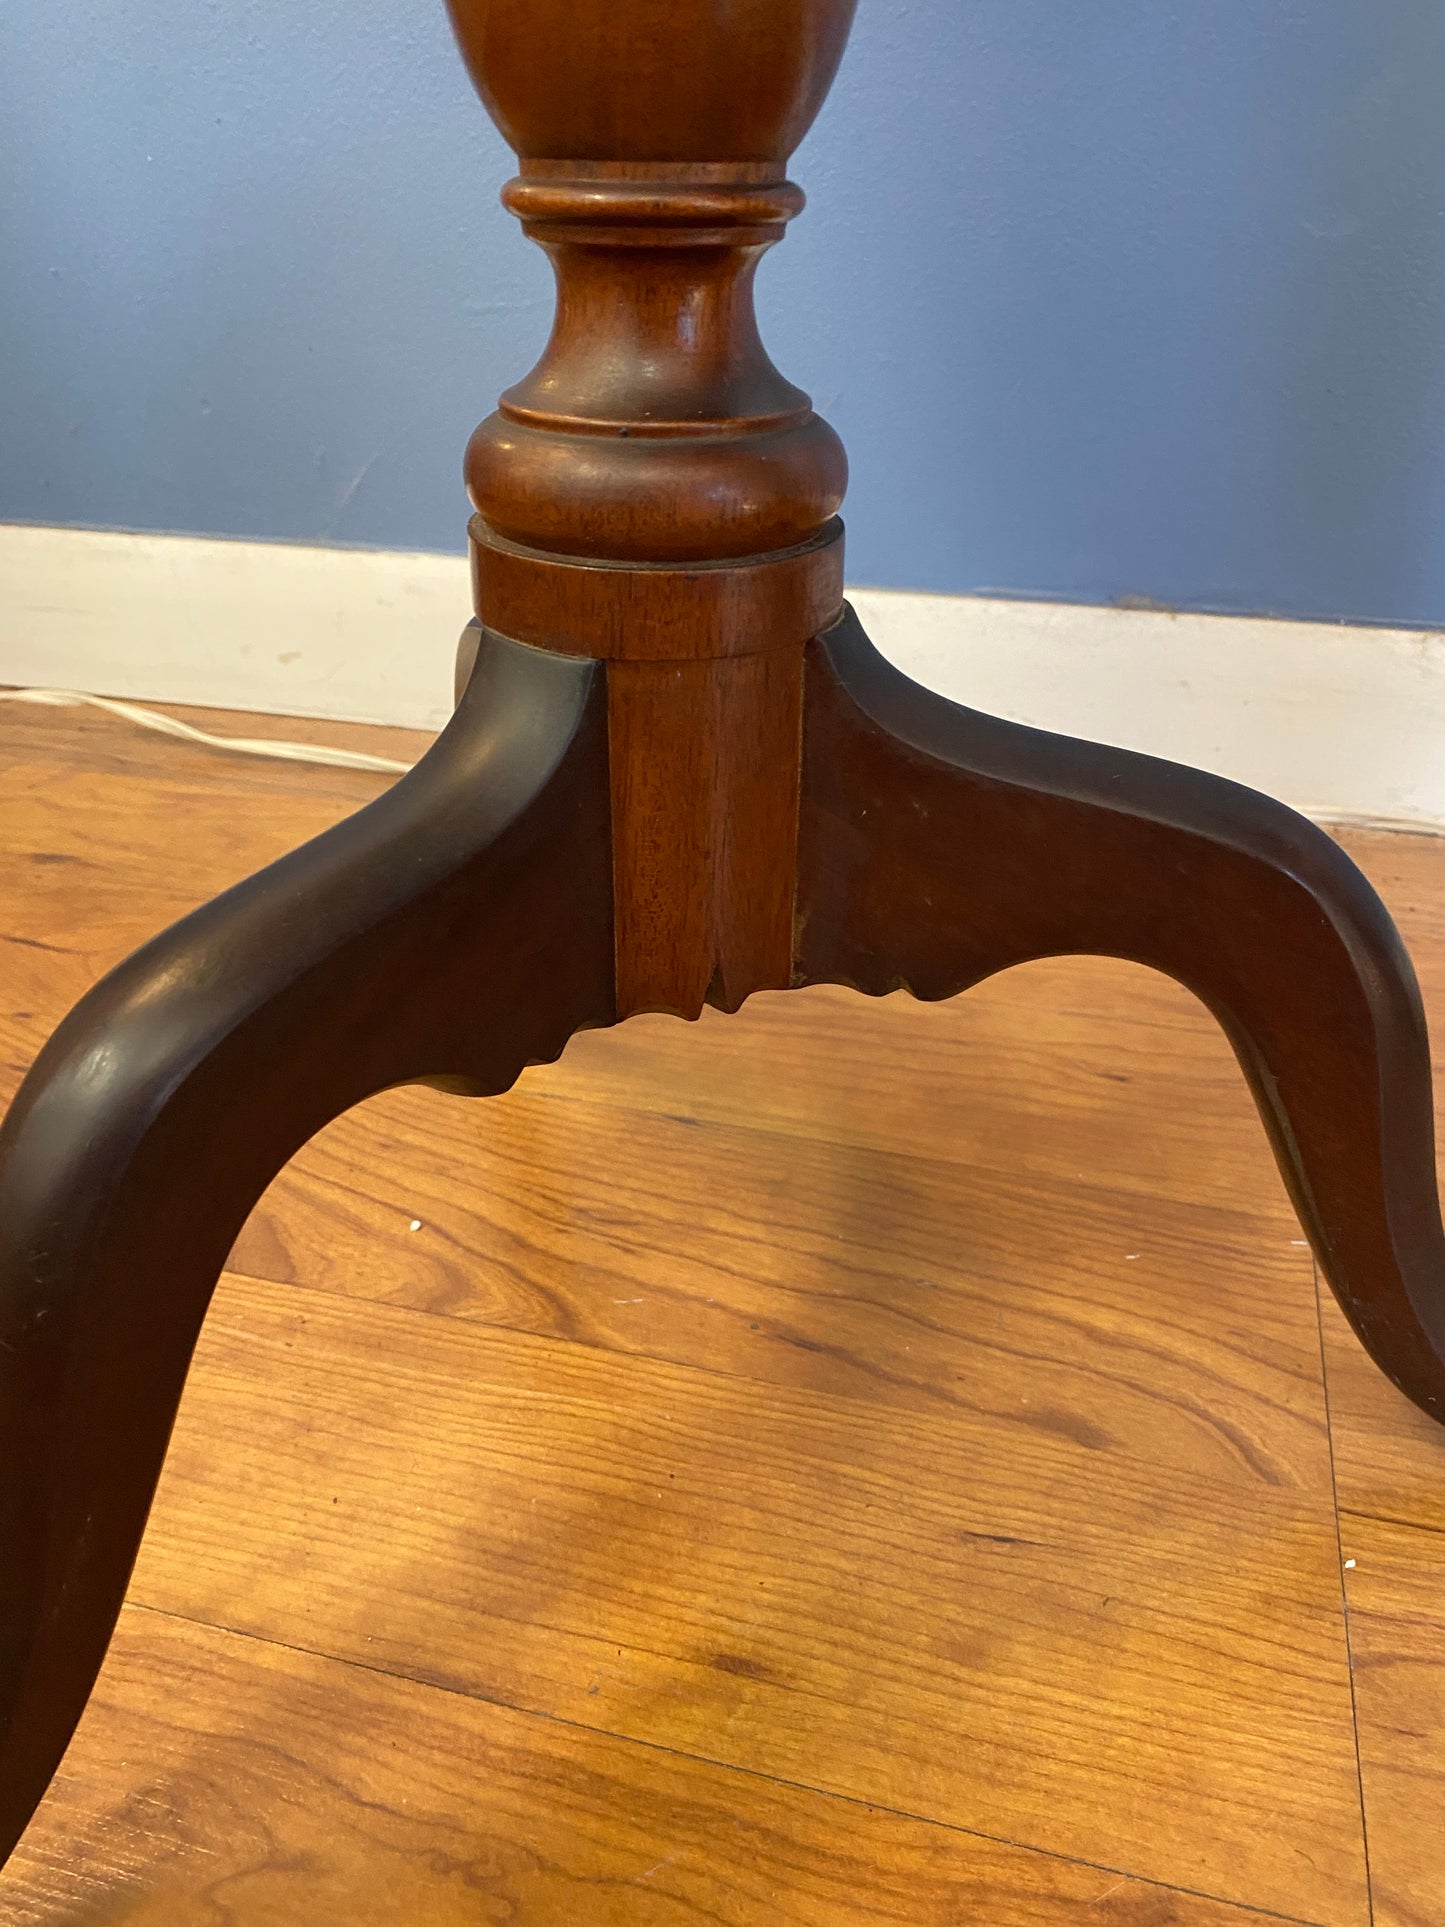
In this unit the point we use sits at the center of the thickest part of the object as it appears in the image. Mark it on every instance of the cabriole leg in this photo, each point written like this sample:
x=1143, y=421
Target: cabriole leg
x=939, y=845
x=454, y=931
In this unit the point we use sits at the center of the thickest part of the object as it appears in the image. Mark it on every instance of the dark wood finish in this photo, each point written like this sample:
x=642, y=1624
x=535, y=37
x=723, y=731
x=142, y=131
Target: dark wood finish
x=656, y=436
x=654, y=428
x=704, y=830
x=653, y=80
x=676, y=776
x=653, y=138
x=452, y=932
x=940, y=846
x=694, y=612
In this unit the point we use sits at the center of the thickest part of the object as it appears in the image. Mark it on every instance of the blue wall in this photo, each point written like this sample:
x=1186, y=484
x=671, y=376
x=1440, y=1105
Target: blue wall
x=1132, y=299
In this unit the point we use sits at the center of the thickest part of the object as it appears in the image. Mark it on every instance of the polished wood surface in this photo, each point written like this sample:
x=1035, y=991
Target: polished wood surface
x=654, y=428
x=653, y=139
x=852, y=1461
x=940, y=845
x=654, y=80
x=456, y=930
x=705, y=835
x=679, y=775
x=655, y=493
x=686, y=612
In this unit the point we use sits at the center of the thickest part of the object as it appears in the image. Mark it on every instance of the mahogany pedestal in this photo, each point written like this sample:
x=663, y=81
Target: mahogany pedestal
x=678, y=773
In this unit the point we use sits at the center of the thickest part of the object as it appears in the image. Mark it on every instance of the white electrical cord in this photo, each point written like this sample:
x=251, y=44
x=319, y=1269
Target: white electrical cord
x=387, y=766
x=243, y=745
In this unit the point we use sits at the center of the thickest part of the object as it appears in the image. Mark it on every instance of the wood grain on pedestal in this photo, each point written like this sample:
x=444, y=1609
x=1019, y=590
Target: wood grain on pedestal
x=704, y=827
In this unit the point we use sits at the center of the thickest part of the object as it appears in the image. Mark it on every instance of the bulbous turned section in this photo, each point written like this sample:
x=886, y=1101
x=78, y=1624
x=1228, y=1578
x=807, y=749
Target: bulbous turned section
x=653, y=141
x=655, y=427
x=656, y=80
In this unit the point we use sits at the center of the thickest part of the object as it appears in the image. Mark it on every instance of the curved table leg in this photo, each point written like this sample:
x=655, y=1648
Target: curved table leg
x=454, y=931
x=939, y=845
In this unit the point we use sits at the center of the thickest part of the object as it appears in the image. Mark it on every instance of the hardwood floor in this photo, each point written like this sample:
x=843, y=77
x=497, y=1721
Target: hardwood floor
x=851, y=1462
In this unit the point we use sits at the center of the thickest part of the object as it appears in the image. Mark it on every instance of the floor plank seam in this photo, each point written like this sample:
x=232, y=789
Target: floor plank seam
x=592, y=1347
x=598, y=1349
x=1390, y=1519
x=727, y=1766
x=1344, y=1599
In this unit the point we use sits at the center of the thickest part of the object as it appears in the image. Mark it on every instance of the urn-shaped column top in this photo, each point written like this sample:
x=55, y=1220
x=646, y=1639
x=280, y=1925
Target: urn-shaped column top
x=653, y=80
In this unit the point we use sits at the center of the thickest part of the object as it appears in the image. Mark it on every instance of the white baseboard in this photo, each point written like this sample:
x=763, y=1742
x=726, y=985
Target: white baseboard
x=1344, y=722
x=363, y=635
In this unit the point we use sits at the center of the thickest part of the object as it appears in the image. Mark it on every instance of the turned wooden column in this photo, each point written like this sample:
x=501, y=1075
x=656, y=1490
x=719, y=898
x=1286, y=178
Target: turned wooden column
x=655, y=493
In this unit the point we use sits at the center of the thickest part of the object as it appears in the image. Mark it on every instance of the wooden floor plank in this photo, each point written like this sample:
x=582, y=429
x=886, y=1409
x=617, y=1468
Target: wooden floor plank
x=224, y=1782
x=993, y=1626
x=85, y=739
x=1396, y=1591
x=831, y=1064
x=110, y=833
x=879, y=1274
x=1390, y=1479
